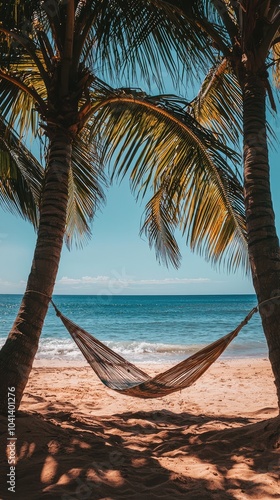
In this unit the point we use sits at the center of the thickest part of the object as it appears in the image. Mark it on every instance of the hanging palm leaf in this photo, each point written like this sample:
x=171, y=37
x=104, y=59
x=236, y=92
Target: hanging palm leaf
x=85, y=194
x=218, y=104
x=142, y=40
x=276, y=61
x=165, y=149
x=20, y=176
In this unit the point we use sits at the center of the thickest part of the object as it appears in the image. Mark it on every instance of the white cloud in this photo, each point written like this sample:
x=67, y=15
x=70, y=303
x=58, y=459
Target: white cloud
x=11, y=286
x=171, y=281
x=117, y=283
x=85, y=280
x=6, y=283
x=125, y=281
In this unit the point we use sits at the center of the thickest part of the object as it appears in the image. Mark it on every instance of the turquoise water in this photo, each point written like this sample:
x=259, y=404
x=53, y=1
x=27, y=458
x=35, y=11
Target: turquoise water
x=146, y=328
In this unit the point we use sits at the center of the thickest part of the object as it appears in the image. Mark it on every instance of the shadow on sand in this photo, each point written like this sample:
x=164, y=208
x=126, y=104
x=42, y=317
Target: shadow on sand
x=143, y=455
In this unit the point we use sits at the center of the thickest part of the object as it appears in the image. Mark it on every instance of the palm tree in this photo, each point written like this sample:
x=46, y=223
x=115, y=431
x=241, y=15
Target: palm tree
x=47, y=76
x=244, y=39
x=245, y=36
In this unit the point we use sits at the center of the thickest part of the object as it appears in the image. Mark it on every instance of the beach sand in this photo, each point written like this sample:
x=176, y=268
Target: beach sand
x=76, y=439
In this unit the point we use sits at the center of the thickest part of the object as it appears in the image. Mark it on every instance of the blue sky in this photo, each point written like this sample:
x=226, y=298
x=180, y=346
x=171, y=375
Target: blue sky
x=116, y=260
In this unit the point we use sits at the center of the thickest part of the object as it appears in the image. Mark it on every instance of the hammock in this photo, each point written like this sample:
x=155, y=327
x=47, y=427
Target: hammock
x=122, y=376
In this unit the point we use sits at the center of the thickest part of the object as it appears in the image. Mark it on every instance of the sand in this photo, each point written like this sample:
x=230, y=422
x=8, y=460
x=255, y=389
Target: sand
x=76, y=439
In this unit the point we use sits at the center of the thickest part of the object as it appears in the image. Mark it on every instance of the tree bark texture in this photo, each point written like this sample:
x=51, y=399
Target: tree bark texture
x=17, y=354
x=263, y=243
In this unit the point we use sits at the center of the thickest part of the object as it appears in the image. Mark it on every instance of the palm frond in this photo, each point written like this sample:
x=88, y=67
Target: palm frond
x=21, y=95
x=24, y=75
x=160, y=223
x=158, y=143
x=21, y=177
x=144, y=40
x=16, y=14
x=218, y=104
x=208, y=207
x=276, y=65
x=213, y=217
x=86, y=190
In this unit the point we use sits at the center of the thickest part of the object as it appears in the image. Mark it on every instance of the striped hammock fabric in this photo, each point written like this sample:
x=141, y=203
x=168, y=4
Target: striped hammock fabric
x=122, y=376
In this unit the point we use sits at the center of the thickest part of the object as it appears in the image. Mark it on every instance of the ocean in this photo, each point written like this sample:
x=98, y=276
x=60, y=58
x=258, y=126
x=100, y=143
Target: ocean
x=147, y=328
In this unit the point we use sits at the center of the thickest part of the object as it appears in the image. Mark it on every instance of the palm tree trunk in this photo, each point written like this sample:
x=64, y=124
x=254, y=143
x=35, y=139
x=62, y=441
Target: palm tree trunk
x=17, y=354
x=263, y=242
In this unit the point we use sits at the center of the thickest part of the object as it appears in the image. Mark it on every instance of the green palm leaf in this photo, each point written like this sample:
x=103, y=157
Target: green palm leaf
x=20, y=177
x=142, y=40
x=86, y=190
x=165, y=149
x=160, y=223
x=218, y=105
x=22, y=90
x=276, y=65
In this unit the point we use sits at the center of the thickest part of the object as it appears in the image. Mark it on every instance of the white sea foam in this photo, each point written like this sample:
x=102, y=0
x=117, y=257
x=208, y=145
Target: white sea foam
x=141, y=352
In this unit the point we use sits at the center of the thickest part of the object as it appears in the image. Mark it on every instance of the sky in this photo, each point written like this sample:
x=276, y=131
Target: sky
x=117, y=260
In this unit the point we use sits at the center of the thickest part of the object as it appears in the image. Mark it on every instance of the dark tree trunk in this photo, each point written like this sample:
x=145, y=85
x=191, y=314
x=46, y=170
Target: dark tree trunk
x=17, y=354
x=263, y=242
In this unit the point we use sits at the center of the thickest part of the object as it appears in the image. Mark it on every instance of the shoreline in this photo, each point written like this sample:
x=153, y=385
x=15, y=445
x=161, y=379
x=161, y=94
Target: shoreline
x=152, y=365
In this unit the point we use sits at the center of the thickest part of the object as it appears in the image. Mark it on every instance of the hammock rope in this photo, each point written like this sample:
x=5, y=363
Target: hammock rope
x=122, y=376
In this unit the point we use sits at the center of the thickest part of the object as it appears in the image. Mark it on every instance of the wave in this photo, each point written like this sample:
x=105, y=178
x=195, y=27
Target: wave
x=145, y=352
